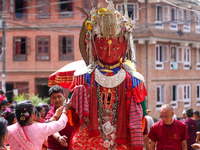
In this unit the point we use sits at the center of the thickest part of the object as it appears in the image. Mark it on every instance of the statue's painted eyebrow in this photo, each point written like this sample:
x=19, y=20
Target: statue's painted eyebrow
x=111, y=44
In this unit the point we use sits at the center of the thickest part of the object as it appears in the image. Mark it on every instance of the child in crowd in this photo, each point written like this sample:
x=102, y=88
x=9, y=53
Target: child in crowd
x=3, y=133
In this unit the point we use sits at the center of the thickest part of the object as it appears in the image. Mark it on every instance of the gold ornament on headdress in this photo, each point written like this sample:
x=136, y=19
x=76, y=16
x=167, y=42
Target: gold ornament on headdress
x=109, y=42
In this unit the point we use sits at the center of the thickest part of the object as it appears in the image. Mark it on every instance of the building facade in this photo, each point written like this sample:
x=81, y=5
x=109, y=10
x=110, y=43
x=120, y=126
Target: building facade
x=42, y=36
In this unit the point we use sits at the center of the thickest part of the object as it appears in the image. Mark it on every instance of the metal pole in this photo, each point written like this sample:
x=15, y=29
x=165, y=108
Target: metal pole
x=147, y=43
x=4, y=48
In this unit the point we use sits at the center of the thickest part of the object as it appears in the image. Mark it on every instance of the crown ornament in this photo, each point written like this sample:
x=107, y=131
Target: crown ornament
x=106, y=23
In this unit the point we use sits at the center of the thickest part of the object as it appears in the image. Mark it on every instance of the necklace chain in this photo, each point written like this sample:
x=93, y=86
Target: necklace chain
x=103, y=116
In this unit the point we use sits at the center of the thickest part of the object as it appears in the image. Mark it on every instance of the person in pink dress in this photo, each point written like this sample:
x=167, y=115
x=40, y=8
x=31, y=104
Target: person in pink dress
x=2, y=96
x=25, y=134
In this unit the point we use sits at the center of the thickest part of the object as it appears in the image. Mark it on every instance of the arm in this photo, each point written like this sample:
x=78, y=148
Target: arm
x=61, y=139
x=57, y=114
x=198, y=137
x=146, y=141
x=195, y=146
x=153, y=145
x=184, y=145
x=56, y=126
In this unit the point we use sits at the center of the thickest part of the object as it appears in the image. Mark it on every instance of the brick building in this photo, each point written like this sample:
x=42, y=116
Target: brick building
x=42, y=36
x=168, y=54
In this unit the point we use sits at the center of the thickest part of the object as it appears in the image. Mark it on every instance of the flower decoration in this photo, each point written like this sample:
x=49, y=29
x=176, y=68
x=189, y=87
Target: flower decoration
x=101, y=10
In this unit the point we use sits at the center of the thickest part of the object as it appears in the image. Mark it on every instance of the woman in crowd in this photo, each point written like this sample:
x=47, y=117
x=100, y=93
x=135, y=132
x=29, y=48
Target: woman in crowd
x=42, y=112
x=28, y=135
x=191, y=125
x=37, y=116
x=3, y=133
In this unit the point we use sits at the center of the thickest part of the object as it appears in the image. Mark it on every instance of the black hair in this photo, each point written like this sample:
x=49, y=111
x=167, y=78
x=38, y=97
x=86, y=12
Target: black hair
x=10, y=118
x=37, y=113
x=196, y=112
x=22, y=107
x=12, y=106
x=189, y=112
x=1, y=92
x=55, y=89
x=39, y=108
x=46, y=110
x=3, y=126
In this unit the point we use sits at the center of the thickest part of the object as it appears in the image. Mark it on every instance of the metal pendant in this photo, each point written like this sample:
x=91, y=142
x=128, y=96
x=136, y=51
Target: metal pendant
x=106, y=144
x=107, y=128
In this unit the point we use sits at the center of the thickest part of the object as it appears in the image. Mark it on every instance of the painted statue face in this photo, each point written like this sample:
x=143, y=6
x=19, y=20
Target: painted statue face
x=109, y=51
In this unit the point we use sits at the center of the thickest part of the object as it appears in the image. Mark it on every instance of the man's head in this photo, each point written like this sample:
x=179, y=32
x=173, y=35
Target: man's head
x=167, y=113
x=57, y=96
x=189, y=112
x=196, y=114
x=4, y=105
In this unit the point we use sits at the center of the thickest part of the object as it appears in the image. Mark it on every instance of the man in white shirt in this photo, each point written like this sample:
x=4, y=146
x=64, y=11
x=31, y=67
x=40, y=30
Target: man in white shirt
x=150, y=124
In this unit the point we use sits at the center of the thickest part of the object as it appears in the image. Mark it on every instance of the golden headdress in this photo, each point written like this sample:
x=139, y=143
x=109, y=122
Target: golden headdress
x=107, y=23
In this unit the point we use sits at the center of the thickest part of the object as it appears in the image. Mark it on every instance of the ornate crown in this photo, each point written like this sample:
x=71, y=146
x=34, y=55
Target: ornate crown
x=107, y=23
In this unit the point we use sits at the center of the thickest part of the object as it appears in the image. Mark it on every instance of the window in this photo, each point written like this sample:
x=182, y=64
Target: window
x=161, y=56
x=65, y=8
x=186, y=20
x=1, y=7
x=66, y=50
x=1, y=51
x=197, y=20
x=20, y=48
x=43, y=9
x=21, y=8
x=198, y=94
x=180, y=16
x=186, y=95
x=133, y=10
x=43, y=48
x=162, y=15
x=198, y=59
x=173, y=58
x=187, y=59
x=174, y=96
x=160, y=96
x=173, y=23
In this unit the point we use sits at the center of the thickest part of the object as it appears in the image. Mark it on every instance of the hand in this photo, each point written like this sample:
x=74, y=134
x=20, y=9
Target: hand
x=59, y=111
x=67, y=103
x=195, y=146
x=63, y=140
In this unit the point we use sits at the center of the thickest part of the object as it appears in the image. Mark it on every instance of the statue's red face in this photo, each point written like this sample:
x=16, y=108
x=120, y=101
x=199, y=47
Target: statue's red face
x=109, y=51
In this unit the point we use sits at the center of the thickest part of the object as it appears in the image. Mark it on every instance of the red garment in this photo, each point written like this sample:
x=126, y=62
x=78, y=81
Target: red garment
x=146, y=127
x=168, y=136
x=54, y=144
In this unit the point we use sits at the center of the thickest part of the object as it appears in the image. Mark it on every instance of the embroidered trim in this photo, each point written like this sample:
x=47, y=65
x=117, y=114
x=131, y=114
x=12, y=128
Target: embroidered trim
x=110, y=81
x=133, y=73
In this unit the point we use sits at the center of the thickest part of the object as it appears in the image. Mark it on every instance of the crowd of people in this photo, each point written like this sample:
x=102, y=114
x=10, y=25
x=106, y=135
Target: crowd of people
x=171, y=133
x=29, y=127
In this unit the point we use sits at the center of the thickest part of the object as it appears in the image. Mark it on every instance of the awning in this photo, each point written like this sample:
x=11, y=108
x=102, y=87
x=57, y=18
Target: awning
x=64, y=76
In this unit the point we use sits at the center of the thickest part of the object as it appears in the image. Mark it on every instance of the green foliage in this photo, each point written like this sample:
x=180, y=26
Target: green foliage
x=18, y=98
x=35, y=99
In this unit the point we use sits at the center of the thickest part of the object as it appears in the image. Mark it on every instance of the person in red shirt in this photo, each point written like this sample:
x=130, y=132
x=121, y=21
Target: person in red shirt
x=59, y=140
x=168, y=133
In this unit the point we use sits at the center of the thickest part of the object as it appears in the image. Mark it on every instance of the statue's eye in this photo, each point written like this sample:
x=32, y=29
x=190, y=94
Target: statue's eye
x=116, y=48
x=102, y=48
